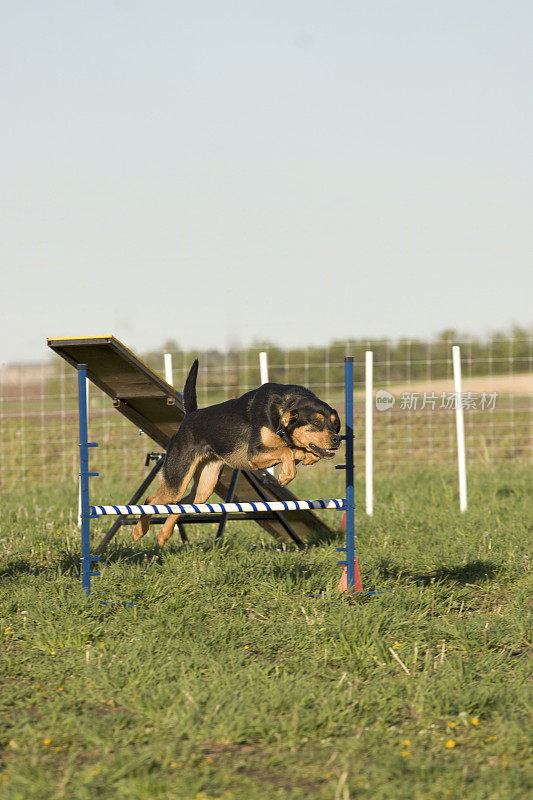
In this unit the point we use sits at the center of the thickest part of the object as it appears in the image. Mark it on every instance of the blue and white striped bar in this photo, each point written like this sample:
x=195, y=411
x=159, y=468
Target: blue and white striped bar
x=218, y=508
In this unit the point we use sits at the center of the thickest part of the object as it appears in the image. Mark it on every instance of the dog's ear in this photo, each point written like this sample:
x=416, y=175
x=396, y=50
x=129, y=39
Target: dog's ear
x=287, y=417
x=285, y=420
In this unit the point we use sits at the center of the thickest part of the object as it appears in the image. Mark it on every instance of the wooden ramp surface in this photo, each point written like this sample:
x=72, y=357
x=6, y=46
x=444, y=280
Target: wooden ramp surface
x=151, y=404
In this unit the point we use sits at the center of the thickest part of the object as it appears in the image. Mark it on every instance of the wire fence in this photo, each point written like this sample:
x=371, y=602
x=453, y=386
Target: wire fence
x=413, y=408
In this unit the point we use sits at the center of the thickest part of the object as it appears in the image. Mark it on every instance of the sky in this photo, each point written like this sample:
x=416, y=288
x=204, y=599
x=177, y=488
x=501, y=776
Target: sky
x=219, y=173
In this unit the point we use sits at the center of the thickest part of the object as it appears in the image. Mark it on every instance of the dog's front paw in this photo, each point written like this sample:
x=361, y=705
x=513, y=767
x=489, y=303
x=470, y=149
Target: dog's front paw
x=310, y=458
x=285, y=479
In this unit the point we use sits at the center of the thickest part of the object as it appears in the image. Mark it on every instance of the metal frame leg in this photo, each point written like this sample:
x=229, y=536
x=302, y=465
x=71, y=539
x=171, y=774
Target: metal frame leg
x=252, y=480
x=182, y=532
x=229, y=498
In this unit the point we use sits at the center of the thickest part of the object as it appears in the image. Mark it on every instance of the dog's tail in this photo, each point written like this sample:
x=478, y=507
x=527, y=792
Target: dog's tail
x=189, y=393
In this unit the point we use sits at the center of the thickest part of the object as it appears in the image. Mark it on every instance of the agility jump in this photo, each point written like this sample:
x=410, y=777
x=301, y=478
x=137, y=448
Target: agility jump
x=244, y=509
x=154, y=406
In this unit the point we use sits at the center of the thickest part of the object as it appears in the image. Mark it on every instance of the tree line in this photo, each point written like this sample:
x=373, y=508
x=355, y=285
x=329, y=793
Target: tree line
x=231, y=372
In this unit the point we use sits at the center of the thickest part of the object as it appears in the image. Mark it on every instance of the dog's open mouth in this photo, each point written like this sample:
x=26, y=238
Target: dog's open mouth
x=320, y=452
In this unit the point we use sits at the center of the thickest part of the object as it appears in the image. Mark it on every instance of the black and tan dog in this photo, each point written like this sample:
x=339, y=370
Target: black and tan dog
x=274, y=424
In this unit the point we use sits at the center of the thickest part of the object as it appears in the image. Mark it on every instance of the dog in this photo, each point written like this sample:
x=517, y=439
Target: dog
x=274, y=424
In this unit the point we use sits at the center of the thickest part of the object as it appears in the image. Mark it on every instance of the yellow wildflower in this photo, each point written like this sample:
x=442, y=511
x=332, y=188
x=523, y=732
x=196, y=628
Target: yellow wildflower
x=474, y=721
x=450, y=743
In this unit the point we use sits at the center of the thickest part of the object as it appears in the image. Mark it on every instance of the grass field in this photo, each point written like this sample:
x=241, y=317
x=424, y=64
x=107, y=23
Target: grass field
x=226, y=680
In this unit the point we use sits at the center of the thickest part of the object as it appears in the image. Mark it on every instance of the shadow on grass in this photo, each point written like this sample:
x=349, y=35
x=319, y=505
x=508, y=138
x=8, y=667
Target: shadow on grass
x=473, y=572
x=296, y=572
x=23, y=566
x=67, y=562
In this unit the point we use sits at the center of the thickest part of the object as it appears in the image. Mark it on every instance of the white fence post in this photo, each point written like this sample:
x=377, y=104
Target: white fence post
x=461, y=457
x=168, y=369
x=263, y=368
x=369, y=476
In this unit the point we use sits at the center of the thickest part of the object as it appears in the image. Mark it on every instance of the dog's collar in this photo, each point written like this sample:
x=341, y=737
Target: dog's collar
x=282, y=433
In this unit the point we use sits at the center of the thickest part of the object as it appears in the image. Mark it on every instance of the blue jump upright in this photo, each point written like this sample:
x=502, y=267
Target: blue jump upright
x=350, y=497
x=353, y=585
x=86, y=557
x=347, y=504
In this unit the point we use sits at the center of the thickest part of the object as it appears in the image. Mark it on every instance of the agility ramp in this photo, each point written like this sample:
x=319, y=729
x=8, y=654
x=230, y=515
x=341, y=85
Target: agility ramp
x=152, y=405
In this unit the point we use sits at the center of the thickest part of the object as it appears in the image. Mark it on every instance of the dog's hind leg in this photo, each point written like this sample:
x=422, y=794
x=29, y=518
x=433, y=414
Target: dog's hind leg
x=165, y=494
x=206, y=479
x=189, y=498
x=162, y=496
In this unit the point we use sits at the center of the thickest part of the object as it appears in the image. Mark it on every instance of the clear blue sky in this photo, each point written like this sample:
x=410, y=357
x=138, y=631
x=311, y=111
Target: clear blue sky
x=298, y=171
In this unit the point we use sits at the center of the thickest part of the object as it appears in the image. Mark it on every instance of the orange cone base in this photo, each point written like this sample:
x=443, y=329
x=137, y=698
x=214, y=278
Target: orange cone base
x=343, y=583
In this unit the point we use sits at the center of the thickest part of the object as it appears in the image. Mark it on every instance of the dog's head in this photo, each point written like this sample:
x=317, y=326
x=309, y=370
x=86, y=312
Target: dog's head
x=312, y=425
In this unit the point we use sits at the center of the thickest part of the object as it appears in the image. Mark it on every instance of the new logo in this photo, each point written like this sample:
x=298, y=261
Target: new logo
x=384, y=400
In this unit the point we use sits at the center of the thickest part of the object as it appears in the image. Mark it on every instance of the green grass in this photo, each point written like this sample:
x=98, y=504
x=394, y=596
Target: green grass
x=226, y=680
